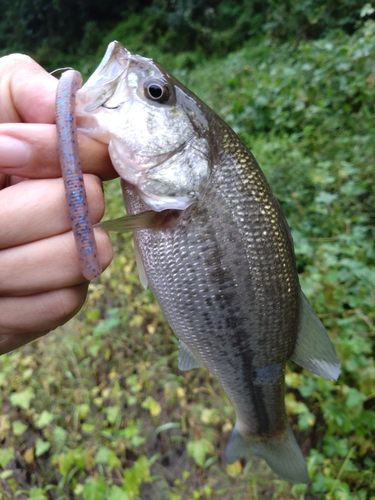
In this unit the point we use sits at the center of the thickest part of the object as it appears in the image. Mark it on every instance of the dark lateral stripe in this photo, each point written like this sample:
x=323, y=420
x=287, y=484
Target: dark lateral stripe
x=243, y=357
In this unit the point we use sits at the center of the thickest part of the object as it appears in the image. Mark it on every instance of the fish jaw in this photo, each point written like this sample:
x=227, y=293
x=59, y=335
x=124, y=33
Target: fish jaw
x=159, y=147
x=99, y=88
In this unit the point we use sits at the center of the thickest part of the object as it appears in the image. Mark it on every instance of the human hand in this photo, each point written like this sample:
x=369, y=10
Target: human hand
x=41, y=285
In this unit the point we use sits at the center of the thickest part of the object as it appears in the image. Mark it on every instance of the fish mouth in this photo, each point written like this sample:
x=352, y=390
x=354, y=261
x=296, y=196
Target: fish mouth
x=102, y=84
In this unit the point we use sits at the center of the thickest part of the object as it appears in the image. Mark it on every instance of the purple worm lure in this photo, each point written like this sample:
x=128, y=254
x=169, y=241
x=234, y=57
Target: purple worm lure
x=71, y=170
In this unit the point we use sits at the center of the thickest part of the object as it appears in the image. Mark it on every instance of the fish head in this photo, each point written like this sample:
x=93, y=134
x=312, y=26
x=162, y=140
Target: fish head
x=156, y=129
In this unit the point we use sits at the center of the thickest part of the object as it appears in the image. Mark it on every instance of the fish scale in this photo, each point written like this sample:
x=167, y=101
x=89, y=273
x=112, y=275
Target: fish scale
x=213, y=243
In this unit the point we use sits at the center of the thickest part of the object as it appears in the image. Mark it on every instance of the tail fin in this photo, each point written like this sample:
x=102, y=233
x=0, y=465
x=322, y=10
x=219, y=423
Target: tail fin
x=283, y=454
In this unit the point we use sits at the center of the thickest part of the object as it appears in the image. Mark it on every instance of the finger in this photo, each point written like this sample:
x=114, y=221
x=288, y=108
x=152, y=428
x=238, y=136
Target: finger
x=12, y=341
x=37, y=209
x=30, y=150
x=27, y=91
x=25, y=318
x=46, y=265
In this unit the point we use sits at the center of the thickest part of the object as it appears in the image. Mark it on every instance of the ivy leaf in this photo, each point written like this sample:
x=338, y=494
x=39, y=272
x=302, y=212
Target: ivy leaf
x=23, y=398
x=118, y=494
x=18, y=428
x=6, y=455
x=107, y=457
x=44, y=419
x=36, y=493
x=199, y=449
x=355, y=398
x=41, y=447
x=152, y=406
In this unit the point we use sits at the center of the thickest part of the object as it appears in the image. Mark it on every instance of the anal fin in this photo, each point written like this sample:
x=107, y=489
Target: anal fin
x=186, y=359
x=313, y=349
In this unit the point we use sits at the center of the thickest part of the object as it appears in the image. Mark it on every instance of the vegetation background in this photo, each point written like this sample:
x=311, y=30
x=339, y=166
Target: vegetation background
x=98, y=409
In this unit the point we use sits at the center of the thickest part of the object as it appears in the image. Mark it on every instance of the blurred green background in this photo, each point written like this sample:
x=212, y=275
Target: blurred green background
x=98, y=409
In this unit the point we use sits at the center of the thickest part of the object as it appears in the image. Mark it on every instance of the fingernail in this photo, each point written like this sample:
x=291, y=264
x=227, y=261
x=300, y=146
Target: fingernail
x=13, y=152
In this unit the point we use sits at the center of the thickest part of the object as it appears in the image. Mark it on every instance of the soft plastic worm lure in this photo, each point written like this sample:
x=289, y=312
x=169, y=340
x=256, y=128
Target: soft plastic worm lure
x=71, y=169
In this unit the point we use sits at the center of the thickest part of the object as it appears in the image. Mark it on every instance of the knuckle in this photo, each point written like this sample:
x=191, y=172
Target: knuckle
x=15, y=59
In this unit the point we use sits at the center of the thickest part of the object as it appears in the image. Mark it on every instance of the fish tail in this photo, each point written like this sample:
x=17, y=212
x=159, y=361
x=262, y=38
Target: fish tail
x=282, y=454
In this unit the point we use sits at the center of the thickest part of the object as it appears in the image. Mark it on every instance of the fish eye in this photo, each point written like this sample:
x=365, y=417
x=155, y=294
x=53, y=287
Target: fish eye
x=157, y=90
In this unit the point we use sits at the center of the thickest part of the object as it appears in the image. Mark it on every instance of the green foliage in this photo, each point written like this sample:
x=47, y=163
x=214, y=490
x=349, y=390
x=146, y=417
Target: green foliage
x=314, y=18
x=51, y=29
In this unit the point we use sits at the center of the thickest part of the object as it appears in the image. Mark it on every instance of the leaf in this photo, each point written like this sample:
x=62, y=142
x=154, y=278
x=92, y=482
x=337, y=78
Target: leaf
x=29, y=455
x=60, y=434
x=107, y=457
x=41, y=447
x=235, y=469
x=210, y=416
x=95, y=488
x=93, y=314
x=295, y=407
x=106, y=326
x=73, y=458
x=112, y=412
x=6, y=474
x=152, y=406
x=18, y=428
x=199, y=449
x=44, y=419
x=354, y=398
x=88, y=428
x=325, y=197
x=166, y=427
x=6, y=455
x=367, y=10
x=117, y=493
x=36, y=493
x=22, y=399
x=142, y=468
x=134, y=476
x=82, y=410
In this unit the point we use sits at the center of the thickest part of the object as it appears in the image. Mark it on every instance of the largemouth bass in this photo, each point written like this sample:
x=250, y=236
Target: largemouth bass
x=216, y=251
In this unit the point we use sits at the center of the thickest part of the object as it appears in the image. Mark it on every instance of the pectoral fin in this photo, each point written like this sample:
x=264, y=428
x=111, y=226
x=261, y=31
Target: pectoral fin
x=313, y=349
x=144, y=220
x=186, y=359
x=140, y=266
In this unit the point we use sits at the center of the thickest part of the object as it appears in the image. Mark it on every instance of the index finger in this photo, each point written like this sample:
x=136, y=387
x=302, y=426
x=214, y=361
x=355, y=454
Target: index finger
x=43, y=162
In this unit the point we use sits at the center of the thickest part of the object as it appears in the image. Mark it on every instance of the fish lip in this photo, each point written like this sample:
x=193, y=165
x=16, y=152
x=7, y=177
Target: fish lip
x=103, y=82
x=115, y=53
